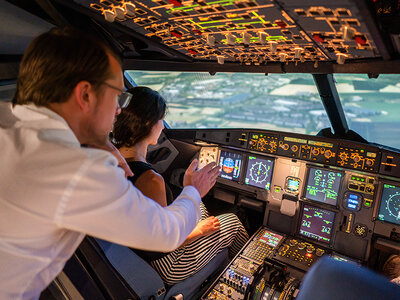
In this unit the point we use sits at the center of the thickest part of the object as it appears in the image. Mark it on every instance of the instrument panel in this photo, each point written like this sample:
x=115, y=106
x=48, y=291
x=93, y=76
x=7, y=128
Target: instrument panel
x=333, y=194
x=250, y=32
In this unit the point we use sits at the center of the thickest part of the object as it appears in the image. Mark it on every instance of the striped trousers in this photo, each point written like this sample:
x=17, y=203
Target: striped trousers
x=187, y=260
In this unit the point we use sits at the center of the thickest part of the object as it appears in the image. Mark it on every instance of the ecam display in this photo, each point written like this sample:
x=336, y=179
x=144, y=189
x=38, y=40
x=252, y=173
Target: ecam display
x=323, y=186
x=317, y=223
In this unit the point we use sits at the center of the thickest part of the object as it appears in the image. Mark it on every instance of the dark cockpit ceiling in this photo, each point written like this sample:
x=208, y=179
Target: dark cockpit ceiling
x=262, y=36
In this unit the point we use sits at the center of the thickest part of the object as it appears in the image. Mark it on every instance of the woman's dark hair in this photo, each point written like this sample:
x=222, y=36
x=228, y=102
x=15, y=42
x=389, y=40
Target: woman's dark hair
x=135, y=122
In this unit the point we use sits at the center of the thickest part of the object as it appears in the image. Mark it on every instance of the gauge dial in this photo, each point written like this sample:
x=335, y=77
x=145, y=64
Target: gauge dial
x=393, y=205
x=259, y=172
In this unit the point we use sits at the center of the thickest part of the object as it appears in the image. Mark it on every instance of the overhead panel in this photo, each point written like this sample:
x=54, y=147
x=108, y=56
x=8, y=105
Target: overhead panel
x=247, y=31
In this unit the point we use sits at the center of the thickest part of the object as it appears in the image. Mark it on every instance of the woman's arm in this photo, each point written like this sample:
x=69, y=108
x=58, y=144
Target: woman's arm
x=152, y=185
x=203, y=228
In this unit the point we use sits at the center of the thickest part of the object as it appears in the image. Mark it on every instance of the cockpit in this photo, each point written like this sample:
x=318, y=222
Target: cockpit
x=298, y=103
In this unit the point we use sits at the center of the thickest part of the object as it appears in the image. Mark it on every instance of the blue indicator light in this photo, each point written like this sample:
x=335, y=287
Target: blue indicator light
x=353, y=201
x=352, y=206
x=352, y=196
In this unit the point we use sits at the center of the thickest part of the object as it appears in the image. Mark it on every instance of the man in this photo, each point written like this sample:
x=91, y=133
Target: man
x=52, y=190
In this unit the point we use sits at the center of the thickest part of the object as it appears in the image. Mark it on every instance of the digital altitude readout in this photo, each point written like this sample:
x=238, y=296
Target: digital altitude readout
x=259, y=172
x=323, y=186
x=230, y=164
x=317, y=223
x=389, y=210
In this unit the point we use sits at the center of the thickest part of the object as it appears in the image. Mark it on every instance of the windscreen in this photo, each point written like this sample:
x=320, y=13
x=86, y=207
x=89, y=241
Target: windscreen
x=372, y=106
x=283, y=102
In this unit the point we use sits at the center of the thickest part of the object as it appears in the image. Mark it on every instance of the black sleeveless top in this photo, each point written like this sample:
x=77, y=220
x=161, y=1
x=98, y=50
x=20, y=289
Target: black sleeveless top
x=138, y=168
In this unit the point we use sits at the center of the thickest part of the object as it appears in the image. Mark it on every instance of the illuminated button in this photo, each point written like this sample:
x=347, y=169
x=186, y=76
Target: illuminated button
x=328, y=153
x=309, y=249
x=318, y=38
x=292, y=242
x=315, y=151
x=319, y=252
x=368, y=203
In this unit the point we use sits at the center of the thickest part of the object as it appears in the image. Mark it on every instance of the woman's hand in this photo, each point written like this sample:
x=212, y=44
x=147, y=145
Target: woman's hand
x=208, y=226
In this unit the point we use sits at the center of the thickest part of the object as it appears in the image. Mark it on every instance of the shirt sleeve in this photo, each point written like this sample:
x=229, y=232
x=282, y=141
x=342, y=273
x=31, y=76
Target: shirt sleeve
x=101, y=202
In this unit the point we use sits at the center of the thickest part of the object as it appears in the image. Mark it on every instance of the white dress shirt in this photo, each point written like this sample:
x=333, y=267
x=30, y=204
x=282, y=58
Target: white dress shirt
x=53, y=192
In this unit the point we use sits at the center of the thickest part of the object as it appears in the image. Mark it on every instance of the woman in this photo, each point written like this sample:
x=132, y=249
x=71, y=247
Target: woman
x=138, y=126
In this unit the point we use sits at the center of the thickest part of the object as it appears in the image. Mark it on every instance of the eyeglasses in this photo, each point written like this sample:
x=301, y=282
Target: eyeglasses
x=123, y=99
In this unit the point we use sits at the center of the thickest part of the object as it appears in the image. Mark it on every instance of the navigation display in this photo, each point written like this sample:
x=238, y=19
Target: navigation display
x=259, y=172
x=323, y=186
x=317, y=223
x=389, y=210
x=231, y=164
x=270, y=238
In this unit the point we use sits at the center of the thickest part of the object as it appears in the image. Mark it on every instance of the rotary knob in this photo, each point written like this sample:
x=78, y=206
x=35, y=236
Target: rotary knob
x=292, y=242
x=319, y=252
x=356, y=158
x=294, y=148
x=301, y=246
x=285, y=147
x=328, y=153
x=315, y=151
x=310, y=249
x=369, y=163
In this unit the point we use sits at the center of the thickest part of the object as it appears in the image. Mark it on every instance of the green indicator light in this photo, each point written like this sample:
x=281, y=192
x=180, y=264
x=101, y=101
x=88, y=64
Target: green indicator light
x=262, y=20
x=219, y=21
x=367, y=204
x=222, y=1
x=362, y=179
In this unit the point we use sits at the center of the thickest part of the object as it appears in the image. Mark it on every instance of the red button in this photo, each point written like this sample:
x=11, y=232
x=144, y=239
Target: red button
x=176, y=34
x=360, y=39
x=318, y=38
x=175, y=2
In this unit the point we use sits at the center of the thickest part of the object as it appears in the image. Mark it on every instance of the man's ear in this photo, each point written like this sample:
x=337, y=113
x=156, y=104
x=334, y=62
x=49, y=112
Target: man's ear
x=85, y=95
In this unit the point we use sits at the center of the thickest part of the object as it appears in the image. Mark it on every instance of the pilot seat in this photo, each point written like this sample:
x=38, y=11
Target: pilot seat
x=103, y=270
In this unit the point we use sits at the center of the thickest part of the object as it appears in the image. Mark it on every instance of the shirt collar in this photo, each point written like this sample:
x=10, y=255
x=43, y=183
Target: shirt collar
x=55, y=127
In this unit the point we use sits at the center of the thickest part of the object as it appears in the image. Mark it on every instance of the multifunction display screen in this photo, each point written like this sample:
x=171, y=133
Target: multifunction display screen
x=323, y=185
x=317, y=223
x=292, y=185
x=259, y=172
x=389, y=210
x=270, y=238
x=231, y=164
